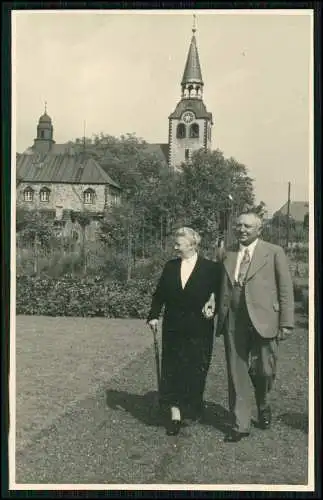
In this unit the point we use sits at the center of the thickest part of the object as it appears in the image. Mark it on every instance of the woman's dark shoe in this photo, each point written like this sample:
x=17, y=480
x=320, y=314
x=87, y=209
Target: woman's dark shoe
x=173, y=427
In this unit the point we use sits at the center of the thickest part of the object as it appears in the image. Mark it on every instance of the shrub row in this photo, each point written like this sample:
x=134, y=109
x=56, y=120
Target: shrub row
x=89, y=296
x=94, y=296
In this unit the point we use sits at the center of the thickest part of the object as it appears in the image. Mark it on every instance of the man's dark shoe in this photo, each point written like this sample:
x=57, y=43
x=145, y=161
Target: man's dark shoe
x=264, y=421
x=235, y=436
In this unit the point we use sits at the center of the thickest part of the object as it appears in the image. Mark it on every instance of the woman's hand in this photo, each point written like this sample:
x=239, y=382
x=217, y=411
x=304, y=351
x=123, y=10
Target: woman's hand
x=208, y=310
x=153, y=323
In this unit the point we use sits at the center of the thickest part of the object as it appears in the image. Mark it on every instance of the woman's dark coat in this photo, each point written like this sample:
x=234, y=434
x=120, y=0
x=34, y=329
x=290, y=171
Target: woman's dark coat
x=187, y=337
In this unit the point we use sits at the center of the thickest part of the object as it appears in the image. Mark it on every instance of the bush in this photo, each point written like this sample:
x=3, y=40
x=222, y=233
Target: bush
x=301, y=292
x=88, y=296
x=151, y=267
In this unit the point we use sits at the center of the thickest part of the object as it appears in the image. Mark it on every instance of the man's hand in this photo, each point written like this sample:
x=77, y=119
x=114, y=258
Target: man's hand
x=153, y=323
x=283, y=333
x=209, y=307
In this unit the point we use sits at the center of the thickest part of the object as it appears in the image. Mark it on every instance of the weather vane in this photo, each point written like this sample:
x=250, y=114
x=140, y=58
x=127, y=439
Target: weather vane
x=194, y=23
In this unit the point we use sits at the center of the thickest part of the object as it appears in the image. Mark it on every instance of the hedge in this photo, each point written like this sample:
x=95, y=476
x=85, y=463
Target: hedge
x=89, y=296
x=94, y=296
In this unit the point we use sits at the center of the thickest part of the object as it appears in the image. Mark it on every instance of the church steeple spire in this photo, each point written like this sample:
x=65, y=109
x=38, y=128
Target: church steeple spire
x=192, y=82
x=190, y=124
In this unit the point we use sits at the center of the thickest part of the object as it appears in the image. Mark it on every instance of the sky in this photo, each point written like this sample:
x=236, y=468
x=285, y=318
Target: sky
x=120, y=72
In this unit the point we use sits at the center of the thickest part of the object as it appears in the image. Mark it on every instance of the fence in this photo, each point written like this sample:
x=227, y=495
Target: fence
x=72, y=248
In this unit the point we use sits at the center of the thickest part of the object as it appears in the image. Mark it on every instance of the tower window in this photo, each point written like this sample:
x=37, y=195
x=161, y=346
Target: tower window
x=194, y=130
x=88, y=196
x=28, y=194
x=181, y=131
x=44, y=194
x=42, y=134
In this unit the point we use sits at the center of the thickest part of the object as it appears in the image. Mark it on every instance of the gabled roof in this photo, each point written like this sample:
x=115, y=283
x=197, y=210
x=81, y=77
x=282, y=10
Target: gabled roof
x=193, y=104
x=69, y=169
x=297, y=210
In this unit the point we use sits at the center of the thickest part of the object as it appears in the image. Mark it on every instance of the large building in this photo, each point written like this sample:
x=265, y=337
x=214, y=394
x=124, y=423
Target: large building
x=63, y=177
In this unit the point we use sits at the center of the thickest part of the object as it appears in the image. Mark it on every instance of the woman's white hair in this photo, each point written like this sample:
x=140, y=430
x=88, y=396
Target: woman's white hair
x=189, y=233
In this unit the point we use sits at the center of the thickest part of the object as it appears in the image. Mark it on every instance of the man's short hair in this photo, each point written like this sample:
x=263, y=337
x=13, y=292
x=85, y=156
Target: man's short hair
x=190, y=234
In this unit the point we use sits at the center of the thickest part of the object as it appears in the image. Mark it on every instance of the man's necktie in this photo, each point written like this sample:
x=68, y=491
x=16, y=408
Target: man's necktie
x=244, y=265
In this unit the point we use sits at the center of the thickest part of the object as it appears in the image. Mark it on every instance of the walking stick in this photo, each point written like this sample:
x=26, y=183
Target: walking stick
x=157, y=358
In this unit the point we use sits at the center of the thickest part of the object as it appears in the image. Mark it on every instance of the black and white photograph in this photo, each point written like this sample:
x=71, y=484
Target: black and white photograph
x=162, y=261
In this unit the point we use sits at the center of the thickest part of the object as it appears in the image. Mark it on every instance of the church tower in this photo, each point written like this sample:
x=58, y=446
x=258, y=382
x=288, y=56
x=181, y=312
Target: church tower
x=190, y=125
x=44, y=139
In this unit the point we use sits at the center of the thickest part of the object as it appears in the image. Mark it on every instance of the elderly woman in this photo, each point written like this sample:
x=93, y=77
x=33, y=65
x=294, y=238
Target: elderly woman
x=187, y=332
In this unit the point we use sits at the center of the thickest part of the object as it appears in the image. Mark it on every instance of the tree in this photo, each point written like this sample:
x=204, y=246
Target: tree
x=36, y=229
x=34, y=224
x=213, y=189
x=205, y=194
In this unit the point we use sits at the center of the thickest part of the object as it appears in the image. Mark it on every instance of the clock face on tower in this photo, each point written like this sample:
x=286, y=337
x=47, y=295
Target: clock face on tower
x=188, y=117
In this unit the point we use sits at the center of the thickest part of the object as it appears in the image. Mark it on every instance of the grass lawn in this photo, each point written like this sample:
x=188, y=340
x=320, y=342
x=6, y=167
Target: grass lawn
x=86, y=412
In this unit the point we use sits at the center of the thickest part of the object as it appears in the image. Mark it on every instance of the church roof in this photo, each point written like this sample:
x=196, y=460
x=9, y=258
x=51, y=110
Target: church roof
x=192, y=71
x=58, y=149
x=160, y=149
x=68, y=169
x=45, y=118
x=196, y=105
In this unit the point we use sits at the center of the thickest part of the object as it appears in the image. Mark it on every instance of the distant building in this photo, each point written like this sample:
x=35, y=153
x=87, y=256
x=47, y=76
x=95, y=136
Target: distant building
x=298, y=224
x=61, y=177
x=298, y=210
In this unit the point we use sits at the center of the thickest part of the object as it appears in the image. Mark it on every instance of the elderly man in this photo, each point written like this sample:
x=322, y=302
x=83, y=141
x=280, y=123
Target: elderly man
x=187, y=335
x=256, y=307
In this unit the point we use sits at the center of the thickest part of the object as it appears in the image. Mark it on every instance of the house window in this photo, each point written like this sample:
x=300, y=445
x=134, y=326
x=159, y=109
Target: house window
x=114, y=199
x=194, y=130
x=44, y=195
x=28, y=194
x=181, y=131
x=88, y=196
